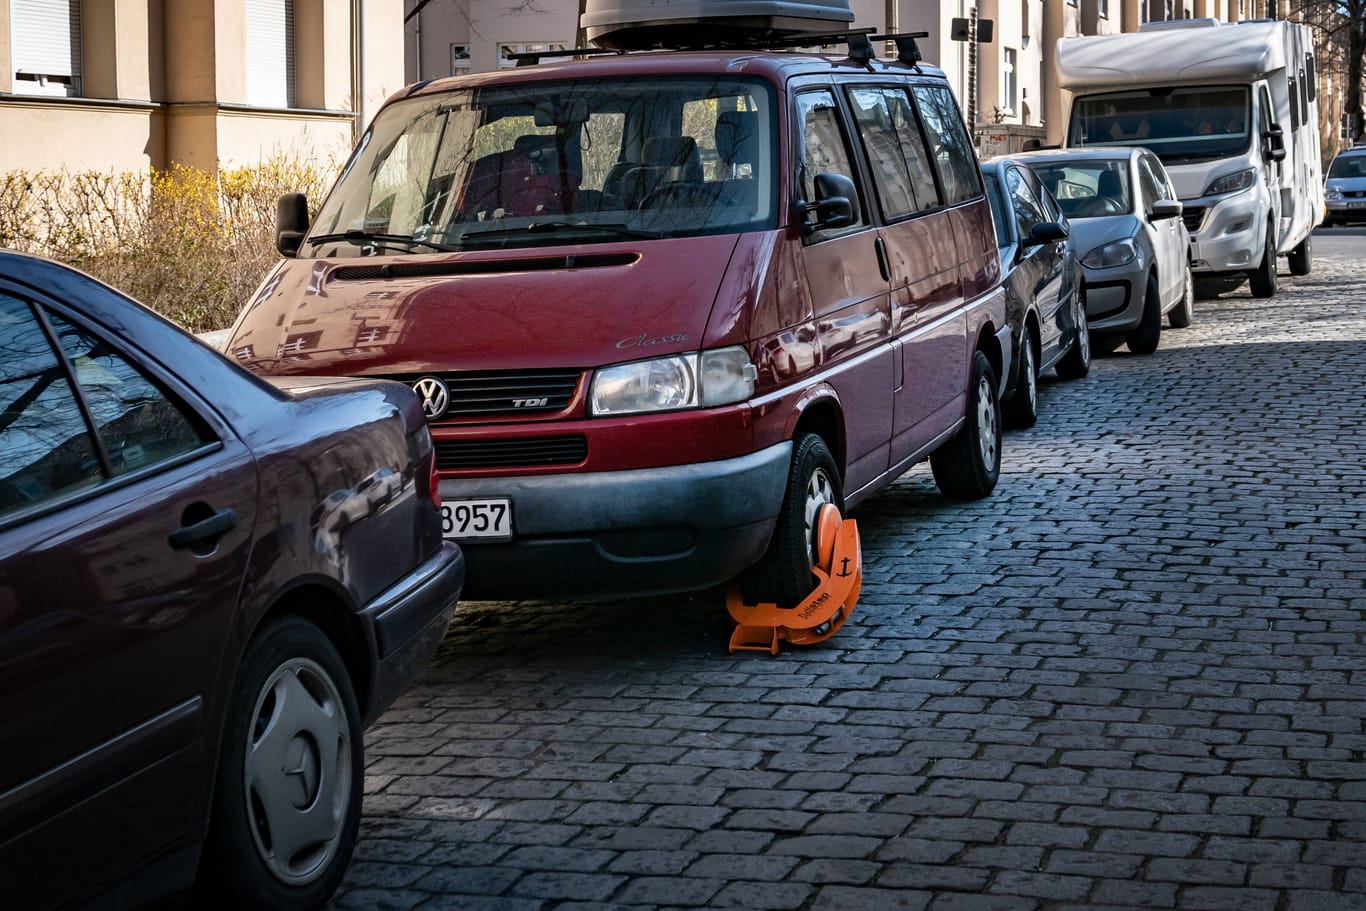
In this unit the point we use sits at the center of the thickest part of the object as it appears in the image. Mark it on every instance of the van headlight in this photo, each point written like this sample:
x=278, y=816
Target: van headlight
x=1232, y=183
x=699, y=379
x=1332, y=193
x=1116, y=253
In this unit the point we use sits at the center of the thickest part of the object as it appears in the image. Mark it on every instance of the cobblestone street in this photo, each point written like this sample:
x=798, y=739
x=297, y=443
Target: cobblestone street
x=1133, y=677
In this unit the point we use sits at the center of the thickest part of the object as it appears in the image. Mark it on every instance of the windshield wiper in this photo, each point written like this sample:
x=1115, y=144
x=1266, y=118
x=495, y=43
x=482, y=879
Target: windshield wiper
x=555, y=227
x=356, y=236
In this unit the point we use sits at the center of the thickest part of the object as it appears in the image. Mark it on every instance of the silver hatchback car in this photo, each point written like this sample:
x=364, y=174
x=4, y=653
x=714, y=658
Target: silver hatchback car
x=1344, y=189
x=1134, y=248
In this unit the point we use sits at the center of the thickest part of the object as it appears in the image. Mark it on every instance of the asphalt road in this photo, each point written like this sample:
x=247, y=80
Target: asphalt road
x=1133, y=677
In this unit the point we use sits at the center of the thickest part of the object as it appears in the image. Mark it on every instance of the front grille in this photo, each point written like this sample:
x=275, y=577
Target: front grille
x=514, y=453
x=1193, y=216
x=1354, y=194
x=514, y=393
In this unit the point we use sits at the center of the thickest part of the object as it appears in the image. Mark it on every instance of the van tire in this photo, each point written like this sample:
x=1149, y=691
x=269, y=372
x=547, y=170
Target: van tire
x=1302, y=257
x=1181, y=315
x=1021, y=410
x=1262, y=280
x=1076, y=363
x=1144, y=337
x=968, y=465
x=783, y=575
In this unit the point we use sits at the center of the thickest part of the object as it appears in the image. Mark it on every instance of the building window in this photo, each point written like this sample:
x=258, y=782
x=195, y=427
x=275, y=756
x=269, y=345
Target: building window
x=460, y=59
x=1010, y=88
x=506, y=52
x=1103, y=9
x=270, y=53
x=45, y=40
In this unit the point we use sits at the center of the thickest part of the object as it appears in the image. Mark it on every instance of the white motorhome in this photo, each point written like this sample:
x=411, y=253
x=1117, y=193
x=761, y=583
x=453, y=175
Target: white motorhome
x=1231, y=110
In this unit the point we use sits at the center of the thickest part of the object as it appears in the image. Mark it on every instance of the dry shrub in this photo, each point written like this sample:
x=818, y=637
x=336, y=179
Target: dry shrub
x=191, y=245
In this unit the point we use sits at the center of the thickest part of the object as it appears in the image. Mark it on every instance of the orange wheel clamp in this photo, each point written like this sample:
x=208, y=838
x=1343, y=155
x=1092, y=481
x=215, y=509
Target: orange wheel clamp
x=839, y=574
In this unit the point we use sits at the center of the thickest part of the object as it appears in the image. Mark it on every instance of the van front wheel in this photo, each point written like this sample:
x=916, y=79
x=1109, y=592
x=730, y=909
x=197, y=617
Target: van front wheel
x=967, y=466
x=1262, y=280
x=783, y=576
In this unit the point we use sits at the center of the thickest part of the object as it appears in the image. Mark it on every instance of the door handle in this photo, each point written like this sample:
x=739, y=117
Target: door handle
x=214, y=526
x=883, y=266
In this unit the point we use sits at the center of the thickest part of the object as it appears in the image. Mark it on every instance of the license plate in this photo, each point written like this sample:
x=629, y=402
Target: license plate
x=1358, y=205
x=489, y=518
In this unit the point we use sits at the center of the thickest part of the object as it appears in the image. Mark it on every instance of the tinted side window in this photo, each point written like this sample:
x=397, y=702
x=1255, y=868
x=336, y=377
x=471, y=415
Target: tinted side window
x=821, y=143
x=1027, y=207
x=885, y=161
x=137, y=422
x=953, y=154
x=45, y=445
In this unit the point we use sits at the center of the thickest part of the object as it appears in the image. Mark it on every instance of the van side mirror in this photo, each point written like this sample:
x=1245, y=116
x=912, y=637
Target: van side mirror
x=291, y=223
x=1046, y=232
x=1165, y=208
x=1273, y=142
x=836, y=204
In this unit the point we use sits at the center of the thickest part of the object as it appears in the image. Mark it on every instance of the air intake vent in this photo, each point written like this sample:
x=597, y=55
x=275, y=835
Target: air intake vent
x=513, y=393
x=1193, y=216
x=527, y=452
x=481, y=267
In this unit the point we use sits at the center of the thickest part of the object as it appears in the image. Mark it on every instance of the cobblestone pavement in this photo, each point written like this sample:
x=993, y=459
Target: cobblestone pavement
x=1134, y=677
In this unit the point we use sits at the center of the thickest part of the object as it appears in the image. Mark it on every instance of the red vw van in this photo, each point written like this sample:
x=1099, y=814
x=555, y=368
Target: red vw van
x=660, y=306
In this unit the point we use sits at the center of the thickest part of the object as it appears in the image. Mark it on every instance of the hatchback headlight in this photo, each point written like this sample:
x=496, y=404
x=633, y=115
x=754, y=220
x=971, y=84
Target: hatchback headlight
x=1115, y=253
x=1232, y=183
x=695, y=380
x=1332, y=193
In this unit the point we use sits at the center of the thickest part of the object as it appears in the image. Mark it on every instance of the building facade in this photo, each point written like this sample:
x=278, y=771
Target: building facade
x=1006, y=85
x=131, y=84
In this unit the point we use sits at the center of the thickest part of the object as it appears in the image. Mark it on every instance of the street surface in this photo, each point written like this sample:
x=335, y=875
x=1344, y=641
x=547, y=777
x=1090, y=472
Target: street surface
x=1133, y=677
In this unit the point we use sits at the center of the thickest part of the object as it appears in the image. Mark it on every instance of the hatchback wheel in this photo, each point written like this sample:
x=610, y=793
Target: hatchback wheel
x=287, y=800
x=968, y=465
x=1076, y=363
x=1144, y=337
x=1022, y=409
x=783, y=576
x=1181, y=315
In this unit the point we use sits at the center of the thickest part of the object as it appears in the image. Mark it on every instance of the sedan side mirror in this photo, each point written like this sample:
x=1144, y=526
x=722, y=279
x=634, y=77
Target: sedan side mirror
x=1165, y=208
x=1046, y=232
x=291, y=223
x=836, y=204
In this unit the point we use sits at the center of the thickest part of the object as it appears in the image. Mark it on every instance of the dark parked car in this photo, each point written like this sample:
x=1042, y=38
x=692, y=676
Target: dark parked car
x=1042, y=278
x=189, y=648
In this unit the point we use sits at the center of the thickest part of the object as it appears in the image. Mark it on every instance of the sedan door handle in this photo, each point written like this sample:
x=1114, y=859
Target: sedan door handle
x=214, y=526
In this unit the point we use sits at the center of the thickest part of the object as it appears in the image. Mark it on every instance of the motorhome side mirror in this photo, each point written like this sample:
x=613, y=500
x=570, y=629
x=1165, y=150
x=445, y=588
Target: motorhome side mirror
x=1165, y=208
x=1274, y=145
x=1046, y=232
x=835, y=205
x=291, y=222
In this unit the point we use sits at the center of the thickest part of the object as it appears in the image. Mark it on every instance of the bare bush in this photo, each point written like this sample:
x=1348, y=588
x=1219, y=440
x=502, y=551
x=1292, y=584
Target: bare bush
x=191, y=245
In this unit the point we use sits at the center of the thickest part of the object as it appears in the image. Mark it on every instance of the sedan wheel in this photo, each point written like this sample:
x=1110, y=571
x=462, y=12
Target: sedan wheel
x=1181, y=315
x=1076, y=363
x=287, y=803
x=1022, y=409
x=968, y=465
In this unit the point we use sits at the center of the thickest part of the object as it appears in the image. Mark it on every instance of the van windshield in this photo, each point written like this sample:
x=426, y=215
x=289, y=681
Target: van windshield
x=1179, y=124
x=585, y=161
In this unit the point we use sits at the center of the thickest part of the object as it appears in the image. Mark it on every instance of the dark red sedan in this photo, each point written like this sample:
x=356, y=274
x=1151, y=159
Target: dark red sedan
x=209, y=584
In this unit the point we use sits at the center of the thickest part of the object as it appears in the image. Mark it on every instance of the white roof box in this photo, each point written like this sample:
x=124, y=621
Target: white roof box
x=638, y=24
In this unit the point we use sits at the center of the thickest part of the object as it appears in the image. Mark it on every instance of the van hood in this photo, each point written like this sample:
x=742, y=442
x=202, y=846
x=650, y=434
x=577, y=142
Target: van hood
x=1191, y=179
x=573, y=307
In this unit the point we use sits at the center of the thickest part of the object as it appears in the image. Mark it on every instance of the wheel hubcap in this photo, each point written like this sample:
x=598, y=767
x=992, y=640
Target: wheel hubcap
x=986, y=423
x=819, y=491
x=1083, y=332
x=297, y=775
x=1031, y=377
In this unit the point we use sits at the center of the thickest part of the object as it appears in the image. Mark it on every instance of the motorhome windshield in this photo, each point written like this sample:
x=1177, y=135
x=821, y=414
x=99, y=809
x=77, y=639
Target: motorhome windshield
x=587, y=161
x=1179, y=124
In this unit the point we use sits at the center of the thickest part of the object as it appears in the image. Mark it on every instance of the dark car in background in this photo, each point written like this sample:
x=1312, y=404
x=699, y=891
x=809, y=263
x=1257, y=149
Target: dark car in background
x=1044, y=303
x=191, y=638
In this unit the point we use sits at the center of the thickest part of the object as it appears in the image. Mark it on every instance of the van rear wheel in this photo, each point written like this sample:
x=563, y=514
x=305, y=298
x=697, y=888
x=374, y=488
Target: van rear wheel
x=783, y=575
x=967, y=466
x=1302, y=257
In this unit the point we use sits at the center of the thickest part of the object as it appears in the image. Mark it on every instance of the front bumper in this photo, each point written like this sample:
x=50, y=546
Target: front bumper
x=1114, y=296
x=1345, y=210
x=1230, y=232
x=618, y=533
x=407, y=622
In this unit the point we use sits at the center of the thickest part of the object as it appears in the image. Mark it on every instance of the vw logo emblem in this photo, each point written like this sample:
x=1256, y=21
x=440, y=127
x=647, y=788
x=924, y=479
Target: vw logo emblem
x=436, y=398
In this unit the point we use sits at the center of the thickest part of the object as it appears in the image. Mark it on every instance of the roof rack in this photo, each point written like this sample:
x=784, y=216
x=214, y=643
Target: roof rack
x=859, y=42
